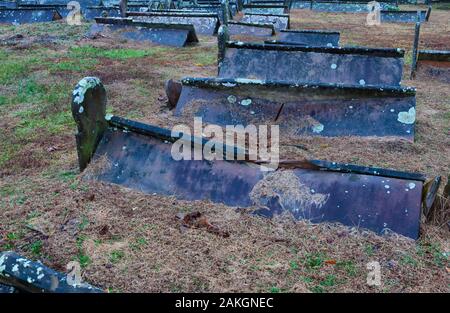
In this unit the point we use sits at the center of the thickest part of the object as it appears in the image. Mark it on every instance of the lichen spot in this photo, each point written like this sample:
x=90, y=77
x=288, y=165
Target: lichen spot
x=318, y=128
x=232, y=99
x=407, y=117
x=108, y=116
x=84, y=84
x=411, y=185
x=81, y=109
x=362, y=82
x=246, y=102
x=333, y=66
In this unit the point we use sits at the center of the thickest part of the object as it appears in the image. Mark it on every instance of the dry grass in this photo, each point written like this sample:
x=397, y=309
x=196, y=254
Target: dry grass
x=128, y=241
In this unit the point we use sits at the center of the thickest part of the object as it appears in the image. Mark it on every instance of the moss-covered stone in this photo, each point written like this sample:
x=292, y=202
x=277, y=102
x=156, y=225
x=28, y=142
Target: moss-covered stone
x=88, y=110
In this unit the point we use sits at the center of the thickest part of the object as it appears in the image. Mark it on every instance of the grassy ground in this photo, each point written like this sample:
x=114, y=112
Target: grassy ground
x=127, y=241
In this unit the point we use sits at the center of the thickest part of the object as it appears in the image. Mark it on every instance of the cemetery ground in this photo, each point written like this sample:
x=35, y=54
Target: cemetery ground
x=127, y=241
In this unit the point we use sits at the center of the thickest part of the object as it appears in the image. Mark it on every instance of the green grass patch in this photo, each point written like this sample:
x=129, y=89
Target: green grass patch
x=10, y=70
x=118, y=54
x=53, y=124
x=79, y=65
x=329, y=281
x=116, y=256
x=7, y=152
x=81, y=257
x=139, y=243
x=348, y=266
x=36, y=247
x=14, y=67
x=204, y=58
x=314, y=260
x=441, y=6
x=408, y=260
x=3, y=100
x=275, y=289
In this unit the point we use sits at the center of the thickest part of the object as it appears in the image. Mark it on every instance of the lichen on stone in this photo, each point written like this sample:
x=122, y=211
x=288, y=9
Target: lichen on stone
x=81, y=88
x=407, y=117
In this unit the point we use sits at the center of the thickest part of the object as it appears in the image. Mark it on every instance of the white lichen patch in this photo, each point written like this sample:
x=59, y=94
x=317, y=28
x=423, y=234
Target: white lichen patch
x=249, y=81
x=292, y=194
x=15, y=268
x=84, y=84
x=108, y=116
x=229, y=84
x=411, y=185
x=246, y=102
x=333, y=66
x=362, y=82
x=232, y=99
x=318, y=128
x=407, y=117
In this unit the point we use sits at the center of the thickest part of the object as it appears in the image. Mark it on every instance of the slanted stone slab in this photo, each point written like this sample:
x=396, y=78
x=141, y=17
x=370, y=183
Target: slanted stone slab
x=139, y=156
x=83, y=3
x=30, y=276
x=251, y=29
x=329, y=110
x=306, y=37
x=91, y=12
x=61, y=8
x=434, y=64
x=300, y=4
x=265, y=9
x=28, y=15
x=177, y=35
x=347, y=6
x=280, y=21
x=403, y=16
x=217, y=9
x=204, y=23
x=306, y=64
x=8, y=4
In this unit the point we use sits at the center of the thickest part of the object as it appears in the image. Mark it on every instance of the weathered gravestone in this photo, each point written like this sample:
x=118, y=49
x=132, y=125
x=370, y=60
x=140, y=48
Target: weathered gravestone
x=178, y=35
x=204, y=23
x=306, y=37
x=139, y=156
x=28, y=15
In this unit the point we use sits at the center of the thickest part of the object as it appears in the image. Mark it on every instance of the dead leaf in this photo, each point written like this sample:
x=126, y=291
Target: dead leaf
x=197, y=220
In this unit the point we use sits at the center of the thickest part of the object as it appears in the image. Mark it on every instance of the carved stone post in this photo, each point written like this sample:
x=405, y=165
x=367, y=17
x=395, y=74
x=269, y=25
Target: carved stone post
x=222, y=38
x=123, y=5
x=88, y=110
x=415, y=51
x=225, y=12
